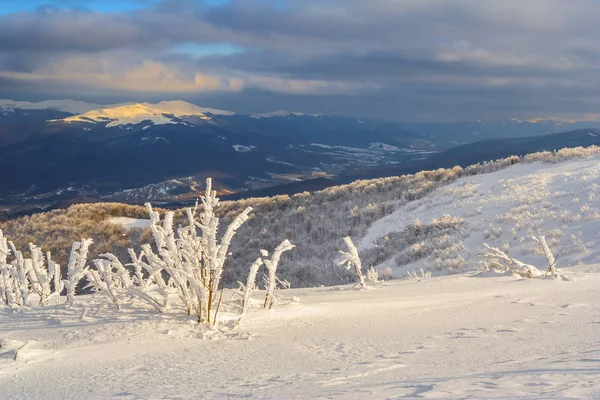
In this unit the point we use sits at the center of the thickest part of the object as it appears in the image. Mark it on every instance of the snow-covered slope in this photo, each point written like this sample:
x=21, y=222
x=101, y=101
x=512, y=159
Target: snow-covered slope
x=159, y=114
x=506, y=209
x=70, y=106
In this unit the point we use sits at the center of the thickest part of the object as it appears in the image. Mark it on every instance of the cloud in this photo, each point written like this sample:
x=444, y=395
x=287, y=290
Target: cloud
x=410, y=58
x=149, y=76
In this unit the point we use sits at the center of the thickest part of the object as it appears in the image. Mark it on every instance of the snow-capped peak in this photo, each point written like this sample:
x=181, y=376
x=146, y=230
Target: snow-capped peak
x=159, y=114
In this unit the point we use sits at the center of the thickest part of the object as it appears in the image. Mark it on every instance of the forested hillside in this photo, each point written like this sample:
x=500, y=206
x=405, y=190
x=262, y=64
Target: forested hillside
x=314, y=222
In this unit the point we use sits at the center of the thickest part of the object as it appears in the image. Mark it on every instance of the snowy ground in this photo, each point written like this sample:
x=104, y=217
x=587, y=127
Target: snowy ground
x=457, y=336
x=130, y=223
x=454, y=336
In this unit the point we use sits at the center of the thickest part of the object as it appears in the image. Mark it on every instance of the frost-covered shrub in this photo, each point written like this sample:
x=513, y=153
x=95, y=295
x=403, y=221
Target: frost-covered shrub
x=448, y=257
x=579, y=244
x=418, y=275
x=38, y=275
x=194, y=262
x=463, y=191
x=387, y=274
x=493, y=232
x=372, y=275
x=190, y=260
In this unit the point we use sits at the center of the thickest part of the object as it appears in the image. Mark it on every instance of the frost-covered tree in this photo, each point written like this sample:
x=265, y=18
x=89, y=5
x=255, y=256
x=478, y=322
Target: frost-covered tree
x=192, y=256
x=110, y=278
x=19, y=272
x=251, y=282
x=541, y=241
x=499, y=260
x=352, y=259
x=6, y=280
x=77, y=267
x=44, y=275
x=272, y=265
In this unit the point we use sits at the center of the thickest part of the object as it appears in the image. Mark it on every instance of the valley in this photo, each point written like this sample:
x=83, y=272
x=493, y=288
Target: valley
x=69, y=151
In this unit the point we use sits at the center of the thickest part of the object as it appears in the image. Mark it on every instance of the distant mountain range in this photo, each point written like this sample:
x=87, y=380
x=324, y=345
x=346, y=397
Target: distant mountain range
x=57, y=151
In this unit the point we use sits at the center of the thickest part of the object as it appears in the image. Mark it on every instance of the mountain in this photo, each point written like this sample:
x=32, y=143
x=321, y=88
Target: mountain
x=165, y=112
x=131, y=151
x=162, y=152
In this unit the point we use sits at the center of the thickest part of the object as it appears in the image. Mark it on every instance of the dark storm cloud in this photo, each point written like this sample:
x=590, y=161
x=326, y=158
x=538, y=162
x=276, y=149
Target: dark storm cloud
x=395, y=58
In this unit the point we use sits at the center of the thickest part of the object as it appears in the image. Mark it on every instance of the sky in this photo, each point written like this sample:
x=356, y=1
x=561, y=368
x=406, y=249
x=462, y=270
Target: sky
x=412, y=60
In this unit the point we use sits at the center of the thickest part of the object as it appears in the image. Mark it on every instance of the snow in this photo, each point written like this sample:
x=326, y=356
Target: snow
x=159, y=114
x=130, y=223
x=446, y=337
x=241, y=148
x=383, y=146
x=374, y=148
x=274, y=161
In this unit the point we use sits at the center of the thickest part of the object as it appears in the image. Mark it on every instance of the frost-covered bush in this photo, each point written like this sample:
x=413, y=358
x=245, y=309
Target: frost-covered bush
x=192, y=256
x=38, y=276
x=448, y=258
x=579, y=244
x=387, y=274
x=190, y=261
x=418, y=275
x=372, y=275
x=493, y=232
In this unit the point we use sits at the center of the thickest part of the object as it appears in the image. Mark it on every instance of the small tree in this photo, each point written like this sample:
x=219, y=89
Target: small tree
x=541, y=240
x=77, y=267
x=251, y=283
x=193, y=260
x=351, y=259
x=272, y=265
x=500, y=260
